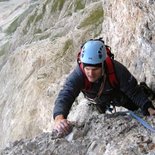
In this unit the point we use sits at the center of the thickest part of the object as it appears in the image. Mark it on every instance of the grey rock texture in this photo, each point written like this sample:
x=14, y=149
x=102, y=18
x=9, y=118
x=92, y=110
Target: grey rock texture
x=109, y=134
x=39, y=41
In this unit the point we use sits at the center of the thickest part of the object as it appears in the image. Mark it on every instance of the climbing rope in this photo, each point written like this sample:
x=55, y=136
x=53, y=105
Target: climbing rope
x=141, y=121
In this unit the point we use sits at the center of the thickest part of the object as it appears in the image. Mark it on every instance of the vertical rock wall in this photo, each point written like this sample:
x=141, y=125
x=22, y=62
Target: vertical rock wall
x=129, y=28
x=43, y=48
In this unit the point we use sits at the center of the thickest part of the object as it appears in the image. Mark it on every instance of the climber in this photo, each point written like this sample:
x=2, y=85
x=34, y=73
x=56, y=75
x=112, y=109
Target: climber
x=104, y=81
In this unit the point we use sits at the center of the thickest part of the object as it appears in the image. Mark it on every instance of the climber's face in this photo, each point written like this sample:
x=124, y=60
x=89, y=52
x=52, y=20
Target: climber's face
x=93, y=73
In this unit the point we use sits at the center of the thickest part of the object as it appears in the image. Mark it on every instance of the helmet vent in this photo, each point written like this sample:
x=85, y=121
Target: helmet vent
x=93, y=52
x=100, y=52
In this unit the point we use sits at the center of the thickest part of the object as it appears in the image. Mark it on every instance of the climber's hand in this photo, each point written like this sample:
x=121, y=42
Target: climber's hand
x=151, y=111
x=62, y=126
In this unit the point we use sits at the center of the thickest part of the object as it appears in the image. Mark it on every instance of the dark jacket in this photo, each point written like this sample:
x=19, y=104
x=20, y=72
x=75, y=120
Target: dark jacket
x=127, y=86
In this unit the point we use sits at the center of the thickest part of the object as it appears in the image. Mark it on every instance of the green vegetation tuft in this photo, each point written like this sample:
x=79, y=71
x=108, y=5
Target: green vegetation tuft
x=13, y=26
x=67, y=45
x=93, y=18
x=40, y=16
x=79, y=5
x=57, y=5
x=4, y=49
x=30, y=20
x=37, y=31
x=34, y=18
x=44, y=37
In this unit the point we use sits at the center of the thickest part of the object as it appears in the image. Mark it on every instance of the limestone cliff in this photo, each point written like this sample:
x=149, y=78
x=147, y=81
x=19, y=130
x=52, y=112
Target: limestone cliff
x=38, y=50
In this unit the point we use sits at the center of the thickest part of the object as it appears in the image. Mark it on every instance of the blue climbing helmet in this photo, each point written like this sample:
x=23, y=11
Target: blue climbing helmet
x=93, y=52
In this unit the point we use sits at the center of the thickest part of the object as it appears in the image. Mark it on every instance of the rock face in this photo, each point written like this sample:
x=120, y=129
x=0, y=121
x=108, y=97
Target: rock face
x=38, y=50
x=109, y=134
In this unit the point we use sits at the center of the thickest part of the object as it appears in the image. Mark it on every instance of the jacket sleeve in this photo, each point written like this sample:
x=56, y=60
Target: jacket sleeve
x=68, y=93
x=129, y=86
